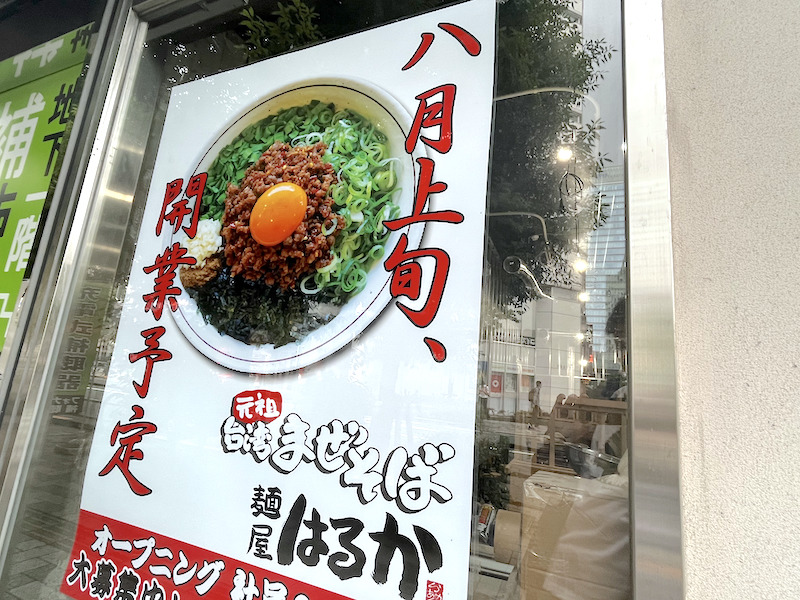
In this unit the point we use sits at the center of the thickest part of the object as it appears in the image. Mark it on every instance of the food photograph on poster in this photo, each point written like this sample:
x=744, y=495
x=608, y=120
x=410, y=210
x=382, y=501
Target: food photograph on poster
x=257, y=303
x=289, y=411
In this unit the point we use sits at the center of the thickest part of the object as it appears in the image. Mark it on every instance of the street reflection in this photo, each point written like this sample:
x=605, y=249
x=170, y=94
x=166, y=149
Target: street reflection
x=551, y=499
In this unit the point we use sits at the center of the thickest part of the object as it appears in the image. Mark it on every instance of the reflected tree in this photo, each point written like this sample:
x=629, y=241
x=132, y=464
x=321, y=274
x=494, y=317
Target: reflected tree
x=545, y=68
x=292, y=25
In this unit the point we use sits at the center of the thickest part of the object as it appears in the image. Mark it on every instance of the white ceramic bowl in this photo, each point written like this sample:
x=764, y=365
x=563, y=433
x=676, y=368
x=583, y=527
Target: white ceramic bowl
x=394, y=121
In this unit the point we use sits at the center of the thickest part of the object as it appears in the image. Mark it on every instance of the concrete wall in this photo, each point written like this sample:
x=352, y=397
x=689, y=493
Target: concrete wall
x=733, y=84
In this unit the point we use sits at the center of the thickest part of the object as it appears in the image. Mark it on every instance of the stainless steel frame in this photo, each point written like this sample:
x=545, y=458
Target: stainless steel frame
x=84, y=197
x=36, y=340
x=654, y=473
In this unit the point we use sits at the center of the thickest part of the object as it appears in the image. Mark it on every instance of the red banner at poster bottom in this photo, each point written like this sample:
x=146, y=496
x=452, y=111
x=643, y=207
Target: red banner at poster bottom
x=111, y=559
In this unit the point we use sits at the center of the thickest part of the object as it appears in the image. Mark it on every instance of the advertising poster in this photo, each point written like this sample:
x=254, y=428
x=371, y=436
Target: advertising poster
x=290, y=407
x=37, y=93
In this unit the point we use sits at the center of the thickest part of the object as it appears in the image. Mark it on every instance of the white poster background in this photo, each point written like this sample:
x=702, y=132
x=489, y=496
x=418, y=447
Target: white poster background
x=385, y=379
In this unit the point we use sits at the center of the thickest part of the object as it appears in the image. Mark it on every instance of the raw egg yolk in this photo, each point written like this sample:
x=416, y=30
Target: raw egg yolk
x=277, y=213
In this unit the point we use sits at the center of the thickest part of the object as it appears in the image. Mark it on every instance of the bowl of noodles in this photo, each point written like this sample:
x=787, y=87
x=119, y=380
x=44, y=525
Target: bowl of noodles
x=279, y=307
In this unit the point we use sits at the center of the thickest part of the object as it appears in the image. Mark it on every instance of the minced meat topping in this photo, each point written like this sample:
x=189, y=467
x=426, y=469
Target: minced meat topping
x=308, y=248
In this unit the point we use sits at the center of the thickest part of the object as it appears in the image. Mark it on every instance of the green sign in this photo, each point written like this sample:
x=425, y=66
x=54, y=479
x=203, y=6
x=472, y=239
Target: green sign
x=46, y=59
x=38, y=91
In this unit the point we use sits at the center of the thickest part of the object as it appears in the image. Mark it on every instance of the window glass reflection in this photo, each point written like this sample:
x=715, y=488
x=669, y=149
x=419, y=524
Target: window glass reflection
x=551, y=510
x=551, y=498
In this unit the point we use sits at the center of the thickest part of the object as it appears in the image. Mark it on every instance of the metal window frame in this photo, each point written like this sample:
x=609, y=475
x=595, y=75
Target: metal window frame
x=30, y=352
x=655, y=499
x=654, y=467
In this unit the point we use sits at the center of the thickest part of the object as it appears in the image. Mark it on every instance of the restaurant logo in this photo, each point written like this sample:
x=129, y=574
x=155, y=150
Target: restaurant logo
x=434, y=591
x=256, y=405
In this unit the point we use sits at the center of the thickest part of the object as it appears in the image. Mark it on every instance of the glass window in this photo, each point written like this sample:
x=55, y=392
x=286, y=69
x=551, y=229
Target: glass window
x=42, y=74
x=552, y=491
x=550, y=495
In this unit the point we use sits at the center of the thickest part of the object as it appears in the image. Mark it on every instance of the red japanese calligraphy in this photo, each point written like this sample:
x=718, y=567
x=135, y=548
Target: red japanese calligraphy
x=464, y=37
x=128, y=436
x=422, y=50
x=434, y=112
x=251, y=406
x=152, y=354
x=425, y=188
x=407, y=278
x=437, y=113
x=434, y=591
x=172, y=192
x=166, y=264
x=438, y=351
x=174, y=212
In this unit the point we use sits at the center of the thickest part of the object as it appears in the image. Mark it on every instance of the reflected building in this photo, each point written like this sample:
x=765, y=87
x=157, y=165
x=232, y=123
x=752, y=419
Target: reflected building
x=606, y=277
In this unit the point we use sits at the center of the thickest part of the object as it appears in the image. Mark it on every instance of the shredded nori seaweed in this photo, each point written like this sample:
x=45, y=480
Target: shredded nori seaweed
x=253, y=312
